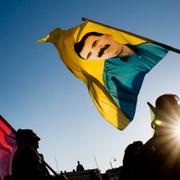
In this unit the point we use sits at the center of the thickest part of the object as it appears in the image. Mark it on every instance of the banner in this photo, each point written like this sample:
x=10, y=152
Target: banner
x=111, y=62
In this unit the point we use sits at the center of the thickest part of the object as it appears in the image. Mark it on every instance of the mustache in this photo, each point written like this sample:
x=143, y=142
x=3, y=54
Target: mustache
x=101, y=52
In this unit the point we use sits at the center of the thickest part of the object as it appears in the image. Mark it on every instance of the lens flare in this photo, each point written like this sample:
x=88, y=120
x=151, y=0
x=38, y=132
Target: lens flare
x=171, y=138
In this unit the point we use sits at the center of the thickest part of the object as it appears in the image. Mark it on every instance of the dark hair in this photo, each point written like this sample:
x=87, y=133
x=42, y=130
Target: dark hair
x=166, y=100
x=79, y=45
x=26, y=135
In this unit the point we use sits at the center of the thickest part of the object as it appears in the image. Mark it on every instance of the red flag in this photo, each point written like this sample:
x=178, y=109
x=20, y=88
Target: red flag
x=7, y=147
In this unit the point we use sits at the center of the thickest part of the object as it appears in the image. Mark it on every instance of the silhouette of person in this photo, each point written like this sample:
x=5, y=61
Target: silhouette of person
x=160, y=155
x=27, y=163
x=129, y=160
x=79, y=167
x=8, y=177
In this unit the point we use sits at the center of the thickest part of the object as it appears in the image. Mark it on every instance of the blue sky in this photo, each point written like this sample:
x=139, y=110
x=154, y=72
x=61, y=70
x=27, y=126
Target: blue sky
x=37, y=91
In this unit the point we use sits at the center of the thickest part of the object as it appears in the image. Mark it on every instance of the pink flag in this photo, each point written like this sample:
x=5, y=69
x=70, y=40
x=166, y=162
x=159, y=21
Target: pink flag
x=7, y=147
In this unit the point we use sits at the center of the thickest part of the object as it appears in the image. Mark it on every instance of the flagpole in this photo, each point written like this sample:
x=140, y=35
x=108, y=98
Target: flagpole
x=95, y=161
x=56, y=164
x=97, y=166
x=50, y=168
x=136, y=35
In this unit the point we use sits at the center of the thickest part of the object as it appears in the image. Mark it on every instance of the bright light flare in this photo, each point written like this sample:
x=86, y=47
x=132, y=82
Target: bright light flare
x=171, y=139
x=176, y=129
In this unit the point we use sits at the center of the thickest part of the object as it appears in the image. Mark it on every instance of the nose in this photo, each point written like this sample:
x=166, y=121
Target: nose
x=38, y=138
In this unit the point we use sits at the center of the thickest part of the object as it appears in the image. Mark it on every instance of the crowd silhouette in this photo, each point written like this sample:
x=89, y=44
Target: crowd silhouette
x=158, y=158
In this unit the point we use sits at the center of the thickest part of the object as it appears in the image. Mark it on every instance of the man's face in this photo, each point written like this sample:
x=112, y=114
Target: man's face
x=100, y=47
x=35, y=140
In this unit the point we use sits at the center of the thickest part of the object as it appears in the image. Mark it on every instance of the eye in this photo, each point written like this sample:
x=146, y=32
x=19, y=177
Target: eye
x=94, y=44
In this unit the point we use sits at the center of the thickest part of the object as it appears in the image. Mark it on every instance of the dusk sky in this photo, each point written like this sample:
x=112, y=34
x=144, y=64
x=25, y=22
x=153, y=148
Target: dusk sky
x=38, y=92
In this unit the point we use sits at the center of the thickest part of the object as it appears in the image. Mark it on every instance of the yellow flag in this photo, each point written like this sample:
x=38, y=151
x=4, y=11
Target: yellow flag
x=113, y=83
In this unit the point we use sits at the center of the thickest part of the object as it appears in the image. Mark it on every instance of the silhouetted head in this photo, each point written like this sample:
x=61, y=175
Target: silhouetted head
x=166, y=108
x=27, y=137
